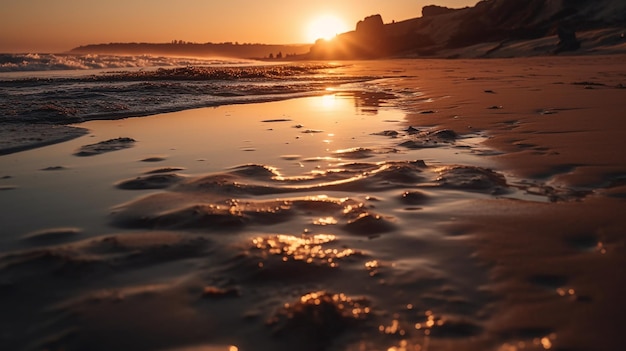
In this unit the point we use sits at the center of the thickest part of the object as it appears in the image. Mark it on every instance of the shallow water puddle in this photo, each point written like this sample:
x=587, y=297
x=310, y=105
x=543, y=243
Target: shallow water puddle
x=314, y=219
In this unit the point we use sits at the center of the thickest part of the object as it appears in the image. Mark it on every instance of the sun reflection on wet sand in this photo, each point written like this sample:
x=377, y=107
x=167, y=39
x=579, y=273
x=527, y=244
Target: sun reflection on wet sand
x=309, y=249
x=535, y=344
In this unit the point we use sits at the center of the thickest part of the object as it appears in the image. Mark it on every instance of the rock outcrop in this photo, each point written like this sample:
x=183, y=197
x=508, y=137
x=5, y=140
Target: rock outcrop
x=567, y=39
x=434, y=10
x=372, y=25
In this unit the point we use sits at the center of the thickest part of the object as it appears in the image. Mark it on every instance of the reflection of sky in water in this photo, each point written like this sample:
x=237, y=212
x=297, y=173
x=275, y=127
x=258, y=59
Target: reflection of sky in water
x=201, y=141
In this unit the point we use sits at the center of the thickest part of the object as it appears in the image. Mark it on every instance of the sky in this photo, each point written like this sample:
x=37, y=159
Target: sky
x=54, y=26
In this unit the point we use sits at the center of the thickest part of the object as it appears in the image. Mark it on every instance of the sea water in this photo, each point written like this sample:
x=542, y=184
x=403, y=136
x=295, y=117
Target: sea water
x=72, y=88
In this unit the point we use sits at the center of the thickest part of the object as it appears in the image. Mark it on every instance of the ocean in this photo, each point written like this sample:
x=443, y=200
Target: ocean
x=72, y=88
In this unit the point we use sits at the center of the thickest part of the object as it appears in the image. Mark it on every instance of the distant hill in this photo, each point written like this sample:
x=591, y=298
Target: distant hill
x=176, y=48
x=491, y=28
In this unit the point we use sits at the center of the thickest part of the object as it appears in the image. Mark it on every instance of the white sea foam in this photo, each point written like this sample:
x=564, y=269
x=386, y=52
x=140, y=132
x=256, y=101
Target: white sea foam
x=54, y=62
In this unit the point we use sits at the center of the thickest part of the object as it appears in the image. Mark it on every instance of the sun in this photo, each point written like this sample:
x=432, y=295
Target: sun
x=325, y=27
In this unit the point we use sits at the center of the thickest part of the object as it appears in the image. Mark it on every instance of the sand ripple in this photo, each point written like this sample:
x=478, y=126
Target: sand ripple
x=232, y=200
x=105, y=146
x=293, y=258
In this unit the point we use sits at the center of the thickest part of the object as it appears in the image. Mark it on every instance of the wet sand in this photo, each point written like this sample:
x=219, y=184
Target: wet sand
x=484, y=214
x=558, y=125
x=16, y=137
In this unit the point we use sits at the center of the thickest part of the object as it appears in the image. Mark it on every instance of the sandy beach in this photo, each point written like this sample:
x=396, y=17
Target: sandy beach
x=440, y=205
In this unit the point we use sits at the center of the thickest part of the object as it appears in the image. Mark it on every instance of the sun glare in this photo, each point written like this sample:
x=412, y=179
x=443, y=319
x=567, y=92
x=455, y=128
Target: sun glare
x=325, y=27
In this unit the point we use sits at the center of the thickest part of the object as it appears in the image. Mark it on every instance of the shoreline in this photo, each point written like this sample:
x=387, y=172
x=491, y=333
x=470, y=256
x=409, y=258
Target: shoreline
x=13, y=143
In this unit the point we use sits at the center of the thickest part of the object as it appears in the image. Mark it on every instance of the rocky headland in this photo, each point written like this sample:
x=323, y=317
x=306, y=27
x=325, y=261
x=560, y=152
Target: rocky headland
x=492, y=28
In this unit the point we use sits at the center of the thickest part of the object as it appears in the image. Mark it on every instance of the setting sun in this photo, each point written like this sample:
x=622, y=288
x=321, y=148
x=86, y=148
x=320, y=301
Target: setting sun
x=325, y=27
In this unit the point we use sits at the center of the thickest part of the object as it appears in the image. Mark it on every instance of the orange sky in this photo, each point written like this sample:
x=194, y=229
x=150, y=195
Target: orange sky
x=59, y=25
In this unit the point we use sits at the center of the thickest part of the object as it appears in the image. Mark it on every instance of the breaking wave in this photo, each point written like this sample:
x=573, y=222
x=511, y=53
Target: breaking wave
x=73, y=98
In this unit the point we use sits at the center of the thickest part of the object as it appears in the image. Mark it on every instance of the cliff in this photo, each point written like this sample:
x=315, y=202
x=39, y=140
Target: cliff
x=490, y=27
